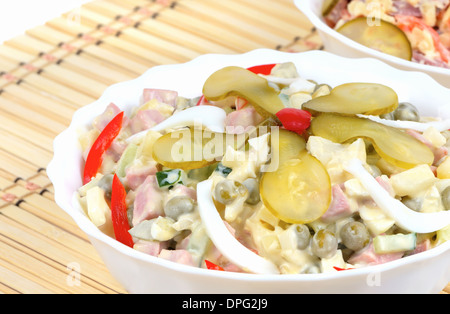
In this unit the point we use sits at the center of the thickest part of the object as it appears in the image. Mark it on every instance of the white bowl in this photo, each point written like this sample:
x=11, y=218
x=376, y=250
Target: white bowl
x=341, y=45
x=427, y=272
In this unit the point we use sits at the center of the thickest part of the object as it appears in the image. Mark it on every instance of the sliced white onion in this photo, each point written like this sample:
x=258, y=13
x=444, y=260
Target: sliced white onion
x=210, y=117
x=404, y=217
x=441, y=125
x=224, y=241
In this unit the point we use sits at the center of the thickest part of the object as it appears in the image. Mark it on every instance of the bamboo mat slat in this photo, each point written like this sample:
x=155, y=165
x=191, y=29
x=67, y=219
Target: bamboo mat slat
x=53, y=69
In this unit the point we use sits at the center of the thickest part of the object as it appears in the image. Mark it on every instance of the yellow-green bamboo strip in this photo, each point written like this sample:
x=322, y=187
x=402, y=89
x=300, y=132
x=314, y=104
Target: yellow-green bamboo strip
x=29, y=267
x=74, y=80
x=50, y=37
x=100, y=54
x=70, y=270
x=49, y=244
x=4, y=289
x=99, y=36
x=56, y=89
x=37, y=203
x=30, y=151
x=183, y=37
x=29, y=44
x=28, y=114
x=214, y=32
x=54, y=109
x=23, y=285
x=25, y=129
x=232, y=21
x=15, y=164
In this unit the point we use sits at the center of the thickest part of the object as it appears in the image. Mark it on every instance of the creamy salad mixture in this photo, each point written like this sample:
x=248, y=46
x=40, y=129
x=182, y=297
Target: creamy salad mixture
x=426, y=24
x=317, y=211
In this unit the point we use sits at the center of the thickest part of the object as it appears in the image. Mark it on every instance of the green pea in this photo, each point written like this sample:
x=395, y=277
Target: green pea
x=406, y=112
x=227, y=191
x=178, y=205
x=303, y=236
x=413, y=203
x=252, y=186
x=355, y=235
x=324, y=244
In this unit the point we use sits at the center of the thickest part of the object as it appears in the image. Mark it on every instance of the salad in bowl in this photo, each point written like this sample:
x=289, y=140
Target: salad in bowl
x=267, y=173
x=412, y=30
x=409, y=35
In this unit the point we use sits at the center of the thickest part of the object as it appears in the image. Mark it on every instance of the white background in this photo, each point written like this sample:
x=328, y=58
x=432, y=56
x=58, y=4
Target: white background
x=16, y=16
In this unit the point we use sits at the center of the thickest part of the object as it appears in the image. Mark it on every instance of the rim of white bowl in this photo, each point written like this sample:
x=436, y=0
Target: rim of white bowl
x=305, y=7
x=59, y=163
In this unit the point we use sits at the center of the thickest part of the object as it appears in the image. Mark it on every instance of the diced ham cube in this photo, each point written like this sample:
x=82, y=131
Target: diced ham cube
x=136, y=174
x=116, y=149
x=150, y=247
x=422, y=246
x=165, y=96
x=145, y=120
x=232, y=268
x=338, y=12
x=178, y=256
x=403, y=7
x=110, y=112
x=386, y=184
x=367, y=256
x=339, y=206
x=182, y=190
x=148, y=202
x=239, y=121
x=183, y=244
x=439, y=152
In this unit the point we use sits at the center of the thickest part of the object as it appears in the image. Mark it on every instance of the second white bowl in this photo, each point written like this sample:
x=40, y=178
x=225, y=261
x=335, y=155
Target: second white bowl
x=341, y=45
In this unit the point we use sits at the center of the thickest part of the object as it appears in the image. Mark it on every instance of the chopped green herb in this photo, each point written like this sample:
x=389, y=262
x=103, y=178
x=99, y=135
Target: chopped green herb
x=225, y=171
x=169, y=178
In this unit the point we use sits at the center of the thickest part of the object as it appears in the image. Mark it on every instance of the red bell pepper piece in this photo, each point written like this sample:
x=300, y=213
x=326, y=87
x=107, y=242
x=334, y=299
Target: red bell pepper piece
x=264, y=69
x=341, y=269
x=212, y=266
x=407, y=23
x=119, y=213
x=295, y=120
x=202, y=101
x=102, y=143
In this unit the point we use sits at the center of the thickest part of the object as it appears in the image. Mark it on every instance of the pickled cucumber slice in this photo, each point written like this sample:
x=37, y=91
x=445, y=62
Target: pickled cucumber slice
x=188, y=149
x=393, y=145
x=299, y=191
x=289, y=145
x=355, y=98
x=385, y=37
x=236, y=81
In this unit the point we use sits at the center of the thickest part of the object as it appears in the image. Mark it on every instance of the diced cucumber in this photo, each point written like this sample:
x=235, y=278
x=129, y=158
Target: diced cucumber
x=127, y=157
x=198, y=243
x=443, y=235
x=394, y=243
x=143, y=230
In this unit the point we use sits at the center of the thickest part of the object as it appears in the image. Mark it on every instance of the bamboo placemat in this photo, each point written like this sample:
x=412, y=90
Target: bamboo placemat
x=54, y=69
